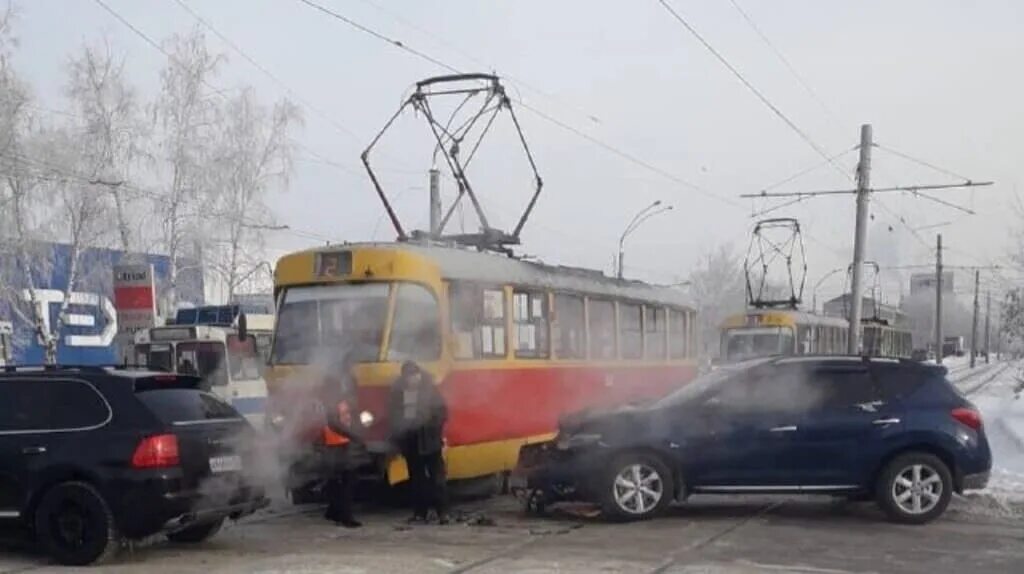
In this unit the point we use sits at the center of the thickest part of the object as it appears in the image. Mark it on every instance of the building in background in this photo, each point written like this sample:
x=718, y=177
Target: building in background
x=924, y=283
x=840, y=307
x=90, y=326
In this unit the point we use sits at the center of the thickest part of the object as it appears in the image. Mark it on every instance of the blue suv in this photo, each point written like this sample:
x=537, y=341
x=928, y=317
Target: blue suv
x=895, y=431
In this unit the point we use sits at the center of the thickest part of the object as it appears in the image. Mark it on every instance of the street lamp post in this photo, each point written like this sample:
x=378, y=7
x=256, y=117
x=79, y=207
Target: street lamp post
x=638, y=219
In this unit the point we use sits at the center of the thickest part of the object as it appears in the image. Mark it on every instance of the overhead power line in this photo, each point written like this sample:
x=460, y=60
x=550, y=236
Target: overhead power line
x=753, y=89
x=543, y=115
x=266, y=72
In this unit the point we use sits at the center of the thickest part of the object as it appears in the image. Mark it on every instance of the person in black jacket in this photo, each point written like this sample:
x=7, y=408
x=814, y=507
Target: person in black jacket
x=417, y=414
x=342, y=444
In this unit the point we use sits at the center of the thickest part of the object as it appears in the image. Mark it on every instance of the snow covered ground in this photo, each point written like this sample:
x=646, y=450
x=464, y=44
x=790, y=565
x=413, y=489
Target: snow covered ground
x=997, y=390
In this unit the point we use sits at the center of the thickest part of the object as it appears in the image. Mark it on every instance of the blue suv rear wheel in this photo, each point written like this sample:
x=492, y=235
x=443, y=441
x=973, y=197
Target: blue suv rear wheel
x=915, y=488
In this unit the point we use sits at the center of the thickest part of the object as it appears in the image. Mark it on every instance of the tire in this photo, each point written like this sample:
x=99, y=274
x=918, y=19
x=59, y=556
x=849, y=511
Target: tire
x=621, y=501
x=75, y=526
x=914, y=488
x=198, y=533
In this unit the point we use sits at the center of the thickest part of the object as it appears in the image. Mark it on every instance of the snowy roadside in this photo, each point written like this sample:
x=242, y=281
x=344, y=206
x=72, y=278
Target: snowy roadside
x=995, y=390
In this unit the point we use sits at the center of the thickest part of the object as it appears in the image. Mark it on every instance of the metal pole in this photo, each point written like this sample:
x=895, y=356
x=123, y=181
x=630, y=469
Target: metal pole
x=621, y=257
x=938, y=299
x=860, y=239
x=974, y=320
x=435, y=203
x=988, y=332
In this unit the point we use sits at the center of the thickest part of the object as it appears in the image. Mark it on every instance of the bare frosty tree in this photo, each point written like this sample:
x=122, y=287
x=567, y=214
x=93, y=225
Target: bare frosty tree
x=19, y=190
x=254, y=155
x=186, y=115
x=110, y=131
x=718, y=290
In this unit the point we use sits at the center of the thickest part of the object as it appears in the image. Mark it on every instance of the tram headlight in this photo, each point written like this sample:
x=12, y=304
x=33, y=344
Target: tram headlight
x=277, y=421
x=366, y=418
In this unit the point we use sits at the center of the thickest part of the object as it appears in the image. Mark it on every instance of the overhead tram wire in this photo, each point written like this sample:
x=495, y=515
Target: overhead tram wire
x=543, y=115
x=472, y=58
x=266, y=72
x=753, y=89
x=156, y=45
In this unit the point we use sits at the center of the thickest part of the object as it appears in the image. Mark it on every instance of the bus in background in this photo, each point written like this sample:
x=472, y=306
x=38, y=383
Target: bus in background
x=6, y=343
x=513, y=345
x=206, y=341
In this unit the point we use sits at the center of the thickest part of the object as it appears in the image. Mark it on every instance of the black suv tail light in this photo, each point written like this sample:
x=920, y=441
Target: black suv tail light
x=160, y=451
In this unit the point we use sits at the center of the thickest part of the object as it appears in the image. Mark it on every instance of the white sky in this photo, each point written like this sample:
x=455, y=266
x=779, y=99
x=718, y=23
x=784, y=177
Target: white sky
x=939, y=80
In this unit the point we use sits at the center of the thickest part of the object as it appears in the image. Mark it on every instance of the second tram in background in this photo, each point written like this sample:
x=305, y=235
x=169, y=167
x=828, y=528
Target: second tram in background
x=766, y=332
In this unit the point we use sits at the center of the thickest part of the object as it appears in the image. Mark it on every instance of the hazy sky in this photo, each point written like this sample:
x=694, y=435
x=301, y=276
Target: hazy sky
x=940, y=80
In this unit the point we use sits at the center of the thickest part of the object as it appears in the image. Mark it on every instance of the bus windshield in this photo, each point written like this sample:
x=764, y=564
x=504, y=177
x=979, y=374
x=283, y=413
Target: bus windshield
x=743, y=344
x=319, y=322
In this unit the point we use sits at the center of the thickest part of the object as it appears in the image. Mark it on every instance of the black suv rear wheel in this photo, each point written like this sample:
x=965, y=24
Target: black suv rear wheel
x=914, y=488
x=75, y=526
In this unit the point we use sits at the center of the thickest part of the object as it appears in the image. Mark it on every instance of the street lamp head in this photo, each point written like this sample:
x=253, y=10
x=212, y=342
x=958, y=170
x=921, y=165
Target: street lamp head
x=656, y=203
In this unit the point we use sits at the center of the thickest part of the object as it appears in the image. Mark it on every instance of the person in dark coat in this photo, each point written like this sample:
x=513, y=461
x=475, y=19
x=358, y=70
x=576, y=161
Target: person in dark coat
x=417, y=415
x=342, y=445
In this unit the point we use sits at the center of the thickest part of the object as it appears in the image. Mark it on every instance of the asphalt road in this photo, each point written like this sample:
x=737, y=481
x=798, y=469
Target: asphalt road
x=705, y=535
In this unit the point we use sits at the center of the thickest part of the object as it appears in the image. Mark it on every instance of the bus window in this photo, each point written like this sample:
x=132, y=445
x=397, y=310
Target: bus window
x=601, y=329
x=654, y=333
x=630, y=333
x=159, y=356
x=678, y=334
x=567, y=327
x=331, y=319
x=243, y=359
x=205, y=360
x=529, y=317
x=415, y=329
x=478, y=321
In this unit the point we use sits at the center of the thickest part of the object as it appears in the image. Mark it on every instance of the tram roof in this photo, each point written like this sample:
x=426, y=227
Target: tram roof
x=803, y=317
x=470, y=265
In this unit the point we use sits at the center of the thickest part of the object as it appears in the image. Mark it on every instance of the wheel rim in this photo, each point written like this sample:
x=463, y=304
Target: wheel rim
x=917, y=489
x=638, y=488
x=69, y=526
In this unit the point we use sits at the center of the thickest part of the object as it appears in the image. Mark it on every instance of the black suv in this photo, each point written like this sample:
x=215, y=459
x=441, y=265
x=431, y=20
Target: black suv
x=92, y=456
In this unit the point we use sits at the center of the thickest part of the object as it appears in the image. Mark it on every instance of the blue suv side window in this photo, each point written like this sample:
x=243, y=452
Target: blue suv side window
x=845, y=387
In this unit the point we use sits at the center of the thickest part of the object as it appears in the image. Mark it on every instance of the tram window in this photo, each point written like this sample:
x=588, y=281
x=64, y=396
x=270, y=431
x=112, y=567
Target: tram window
x=567, y=329
x=654, y=333
x=415, y=333
x=530, y=320
x=478, y=321
x=630, y=333
x=678, y=334
x=601, y=329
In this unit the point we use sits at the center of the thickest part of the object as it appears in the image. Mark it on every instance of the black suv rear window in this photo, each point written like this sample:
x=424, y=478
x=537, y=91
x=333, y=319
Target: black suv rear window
x=48, y=405
x=186, y=406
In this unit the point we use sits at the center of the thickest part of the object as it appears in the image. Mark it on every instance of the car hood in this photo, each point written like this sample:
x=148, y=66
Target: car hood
x=606, y=420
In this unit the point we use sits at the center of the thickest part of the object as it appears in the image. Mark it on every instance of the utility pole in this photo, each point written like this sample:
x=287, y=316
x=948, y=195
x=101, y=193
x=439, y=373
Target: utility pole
x=974, y=320
x=860, y=239
x=435, y=203
x=938, y=299
x=988, y=331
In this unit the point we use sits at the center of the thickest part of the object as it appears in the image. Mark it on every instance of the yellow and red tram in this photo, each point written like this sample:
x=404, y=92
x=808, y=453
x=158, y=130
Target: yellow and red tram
x=513, y=344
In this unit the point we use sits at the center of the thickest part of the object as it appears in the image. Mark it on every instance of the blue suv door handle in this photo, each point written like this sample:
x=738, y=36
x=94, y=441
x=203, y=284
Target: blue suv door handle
x=789, y=428
x=880, y=422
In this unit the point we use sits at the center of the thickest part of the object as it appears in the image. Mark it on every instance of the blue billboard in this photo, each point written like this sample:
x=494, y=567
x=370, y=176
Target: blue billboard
x=86, y=336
